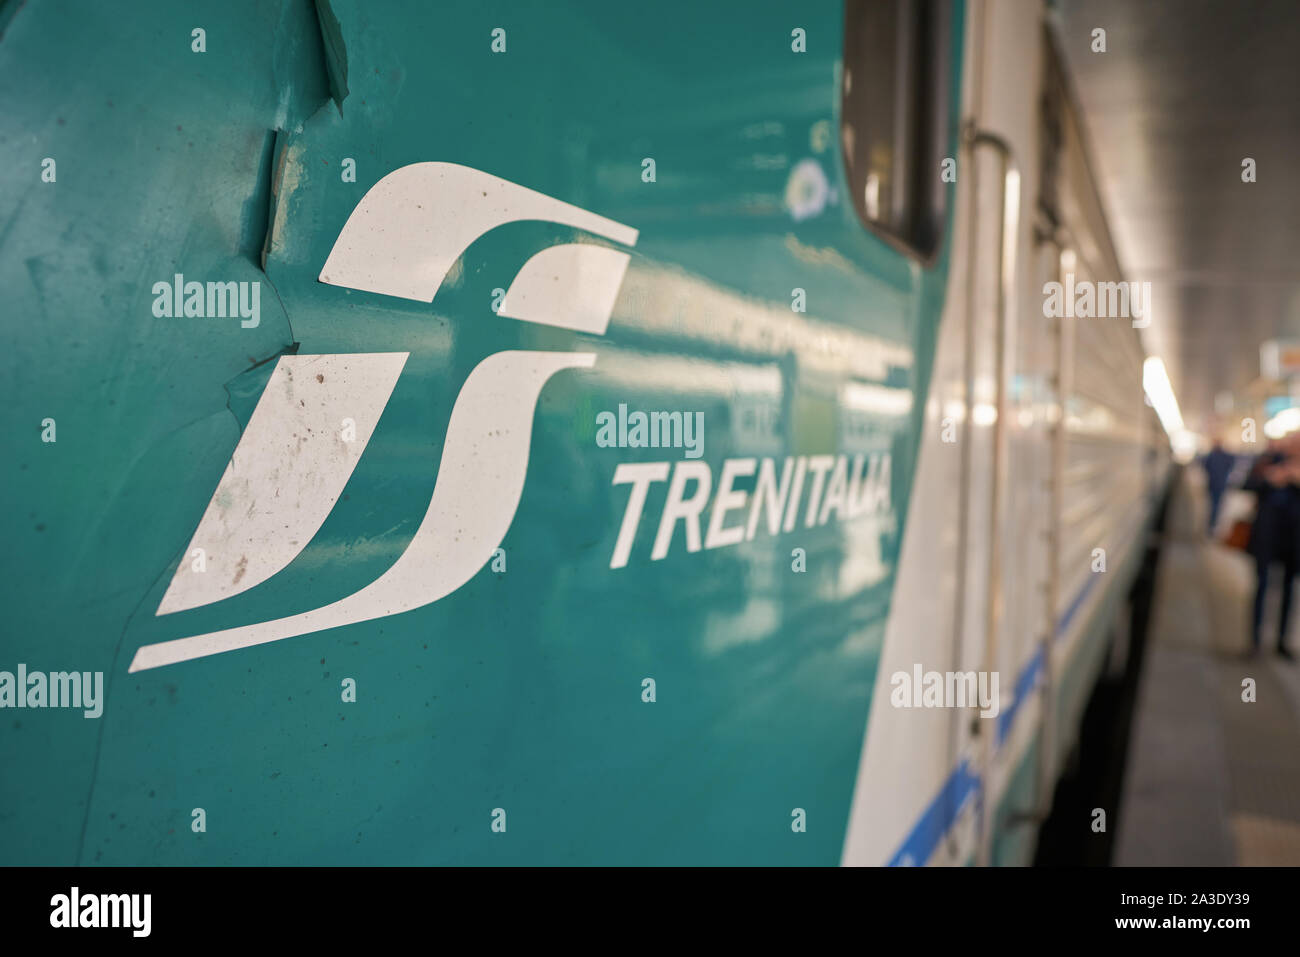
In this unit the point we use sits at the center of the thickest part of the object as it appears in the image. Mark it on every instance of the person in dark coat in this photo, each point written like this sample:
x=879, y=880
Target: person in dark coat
x=1218, y=463
x=1275, y=535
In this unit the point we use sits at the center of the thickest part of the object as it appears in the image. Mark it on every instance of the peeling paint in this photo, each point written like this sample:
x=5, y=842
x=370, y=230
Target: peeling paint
x=285, y=179
x=299, y=65
x=336, y=52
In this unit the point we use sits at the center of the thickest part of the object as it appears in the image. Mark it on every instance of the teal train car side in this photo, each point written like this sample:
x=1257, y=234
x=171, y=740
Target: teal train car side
x=524, y=434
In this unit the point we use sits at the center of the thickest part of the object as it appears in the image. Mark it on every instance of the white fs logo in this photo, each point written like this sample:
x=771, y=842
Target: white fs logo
x=291, y=463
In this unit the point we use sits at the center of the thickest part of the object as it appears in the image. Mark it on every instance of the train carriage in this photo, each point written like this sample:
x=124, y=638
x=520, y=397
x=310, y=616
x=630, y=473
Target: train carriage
x=596, y=413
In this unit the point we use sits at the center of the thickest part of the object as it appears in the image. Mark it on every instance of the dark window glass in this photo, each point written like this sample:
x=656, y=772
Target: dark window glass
x=894, y=116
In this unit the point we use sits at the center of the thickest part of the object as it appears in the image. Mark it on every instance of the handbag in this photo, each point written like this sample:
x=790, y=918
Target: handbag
x=1239, y=535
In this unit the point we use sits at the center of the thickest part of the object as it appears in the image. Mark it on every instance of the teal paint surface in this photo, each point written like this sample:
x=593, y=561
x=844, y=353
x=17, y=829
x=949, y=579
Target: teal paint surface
x=1015, y=829
x=520, y=690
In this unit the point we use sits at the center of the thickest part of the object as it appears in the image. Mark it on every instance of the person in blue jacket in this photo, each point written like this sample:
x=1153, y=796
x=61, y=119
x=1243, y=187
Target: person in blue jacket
x=1275, y=534
x=1218, y=463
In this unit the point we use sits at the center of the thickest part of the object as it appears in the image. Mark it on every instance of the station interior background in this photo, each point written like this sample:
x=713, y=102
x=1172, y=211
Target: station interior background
x=1205, y=86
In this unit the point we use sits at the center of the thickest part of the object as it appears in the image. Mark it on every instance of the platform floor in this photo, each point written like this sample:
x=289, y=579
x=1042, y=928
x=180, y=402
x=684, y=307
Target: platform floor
x=1211, y=779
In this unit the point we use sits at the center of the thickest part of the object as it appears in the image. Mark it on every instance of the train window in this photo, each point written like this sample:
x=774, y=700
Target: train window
x=894, y=117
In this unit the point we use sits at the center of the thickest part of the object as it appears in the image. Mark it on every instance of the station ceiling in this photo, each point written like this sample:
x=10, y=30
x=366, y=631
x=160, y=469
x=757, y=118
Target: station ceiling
x=1184, y=92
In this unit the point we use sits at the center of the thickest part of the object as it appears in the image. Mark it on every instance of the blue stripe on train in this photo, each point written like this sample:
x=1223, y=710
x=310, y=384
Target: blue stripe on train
x=963, y=783
x=926, y=834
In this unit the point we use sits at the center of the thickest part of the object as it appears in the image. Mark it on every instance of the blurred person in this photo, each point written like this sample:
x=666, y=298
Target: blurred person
x=1218, y=463
x=1275, y=536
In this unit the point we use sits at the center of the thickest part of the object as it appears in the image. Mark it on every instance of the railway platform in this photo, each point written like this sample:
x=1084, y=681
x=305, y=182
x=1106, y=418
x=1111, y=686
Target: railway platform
x=1211, y=779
